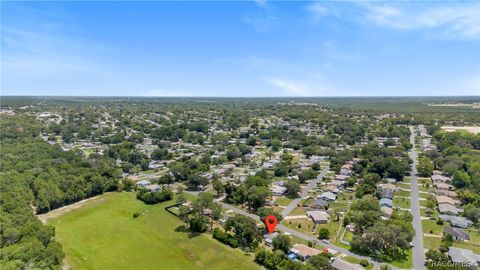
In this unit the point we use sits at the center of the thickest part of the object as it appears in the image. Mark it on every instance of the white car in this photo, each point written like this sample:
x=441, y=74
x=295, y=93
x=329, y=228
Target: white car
x=325, y=241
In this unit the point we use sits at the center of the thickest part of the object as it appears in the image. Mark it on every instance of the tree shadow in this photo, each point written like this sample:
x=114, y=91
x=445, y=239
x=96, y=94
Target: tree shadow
x=181, y=228
x=184, y=229
x=193, y=234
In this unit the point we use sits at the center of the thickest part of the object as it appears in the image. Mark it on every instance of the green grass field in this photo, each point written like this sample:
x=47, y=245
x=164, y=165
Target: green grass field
x=431, y=227
x=403, y=193
x=103, y=235
x=283, y=201
x=401, y=202
x=431, y=242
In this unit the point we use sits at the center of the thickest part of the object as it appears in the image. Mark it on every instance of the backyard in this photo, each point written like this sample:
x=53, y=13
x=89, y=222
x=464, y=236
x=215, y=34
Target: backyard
x=104, y=235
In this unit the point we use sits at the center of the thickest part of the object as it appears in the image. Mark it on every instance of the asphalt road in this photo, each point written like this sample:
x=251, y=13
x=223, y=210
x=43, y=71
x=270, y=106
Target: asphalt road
x=418, y=250
x=304, y=193
x=299, y=234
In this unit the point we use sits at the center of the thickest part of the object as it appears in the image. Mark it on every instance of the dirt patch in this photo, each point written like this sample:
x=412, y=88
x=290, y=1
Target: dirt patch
x=65, y=209
x=471, y=129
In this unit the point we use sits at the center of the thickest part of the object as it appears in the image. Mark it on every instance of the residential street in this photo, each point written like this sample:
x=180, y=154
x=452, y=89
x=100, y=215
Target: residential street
x=418, y=250
x=299, y=234
x=304, y=193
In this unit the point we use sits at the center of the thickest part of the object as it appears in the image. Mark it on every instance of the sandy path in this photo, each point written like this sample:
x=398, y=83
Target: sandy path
x=64, y=209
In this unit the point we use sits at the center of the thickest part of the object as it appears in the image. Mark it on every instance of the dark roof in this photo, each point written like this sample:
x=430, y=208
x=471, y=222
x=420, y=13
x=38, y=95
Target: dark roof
x=319, y=202
x=387, y=193
x=456, y=232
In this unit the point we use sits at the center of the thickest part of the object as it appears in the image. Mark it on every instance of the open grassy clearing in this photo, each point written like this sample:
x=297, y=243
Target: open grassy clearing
x=303, y=225
x=401, y=202
x=283, y=201
x=356, y=261
x=424, y=180
x=297, y=211
x=404, y=193
x=431, y=242
x=104, y=235
x=431, y=227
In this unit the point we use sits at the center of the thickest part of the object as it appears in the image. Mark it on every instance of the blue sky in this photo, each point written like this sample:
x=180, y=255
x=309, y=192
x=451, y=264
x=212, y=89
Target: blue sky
x=244, y=48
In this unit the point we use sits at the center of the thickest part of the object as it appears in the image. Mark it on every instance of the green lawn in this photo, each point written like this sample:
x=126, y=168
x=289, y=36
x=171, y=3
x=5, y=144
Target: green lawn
x=424, y=180
x=431, y=227
x=424, y=195
x=403, y=185
x=401, y=202
x=283, y=201
x=407, y=263
x=356, y=261
x=431, y=242
x=333, y=227
x=404, y=193
x=473, y=244
x=423, y=213
x=103, y=235
x=300, y=224
x=297, y=211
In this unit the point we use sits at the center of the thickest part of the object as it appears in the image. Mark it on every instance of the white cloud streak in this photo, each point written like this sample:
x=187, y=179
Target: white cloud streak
x=457, y=21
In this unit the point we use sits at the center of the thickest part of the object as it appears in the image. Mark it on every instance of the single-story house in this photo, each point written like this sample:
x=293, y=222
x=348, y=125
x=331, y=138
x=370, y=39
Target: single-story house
x=340, y=264
x=465, y=256
x=457, y=233
x=143, y=183
x=341, y=177
x=332, y=189
x=459, y=222
x=390, y=180
x=268, y=238
x=345, y=172
x=387, y=211
x=337, y=183
x=448, y=193
x=318, y=217
x=385, y=202
x=304, y=252
x=319, y=204
x=153, y=188
x=443, y=186
x=387, y=193
x=388, y=186
x=446, y=199
x=436, y=178
x=278, y=191
x=347, y=166
x=328, y=196
x=448, y=209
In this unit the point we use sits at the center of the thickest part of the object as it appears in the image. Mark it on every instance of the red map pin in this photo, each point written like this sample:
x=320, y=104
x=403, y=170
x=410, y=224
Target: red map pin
x=271, y=221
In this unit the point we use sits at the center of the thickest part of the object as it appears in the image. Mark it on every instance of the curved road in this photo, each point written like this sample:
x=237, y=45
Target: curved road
x=418, y=250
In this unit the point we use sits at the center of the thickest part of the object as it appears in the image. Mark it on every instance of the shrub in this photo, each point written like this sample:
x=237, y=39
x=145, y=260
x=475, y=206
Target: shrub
x=154, y=197
x=364, y=263
x=136, y=214
x=225, y=238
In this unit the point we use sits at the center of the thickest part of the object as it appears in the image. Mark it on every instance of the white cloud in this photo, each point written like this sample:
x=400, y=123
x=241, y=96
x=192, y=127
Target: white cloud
x=290, y=87
x=461, y=20
x=317, y=10
x=261, y=3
